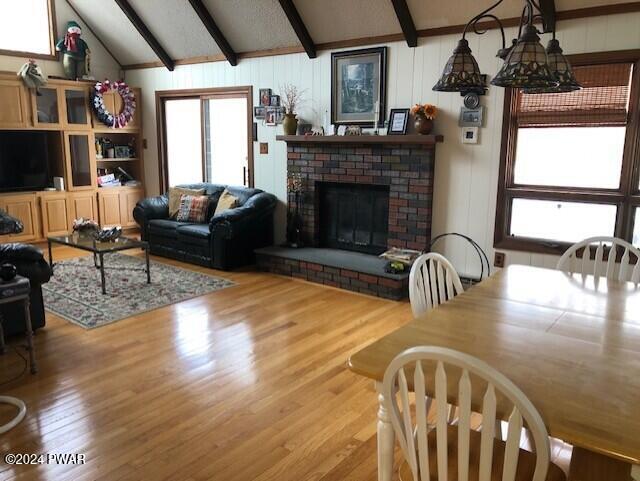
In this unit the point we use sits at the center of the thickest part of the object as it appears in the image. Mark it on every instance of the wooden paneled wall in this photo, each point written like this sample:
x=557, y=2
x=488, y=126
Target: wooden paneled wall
x=466, y=175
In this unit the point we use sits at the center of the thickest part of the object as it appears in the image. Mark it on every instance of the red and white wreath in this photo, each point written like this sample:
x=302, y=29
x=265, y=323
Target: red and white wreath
x=111, y=119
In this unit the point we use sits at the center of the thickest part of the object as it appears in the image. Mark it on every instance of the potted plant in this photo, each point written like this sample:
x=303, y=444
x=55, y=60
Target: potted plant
x=291, y=99
x=424, y=114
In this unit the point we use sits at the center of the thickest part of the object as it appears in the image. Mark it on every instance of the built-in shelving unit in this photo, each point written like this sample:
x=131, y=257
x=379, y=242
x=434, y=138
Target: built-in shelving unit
x=63, y=111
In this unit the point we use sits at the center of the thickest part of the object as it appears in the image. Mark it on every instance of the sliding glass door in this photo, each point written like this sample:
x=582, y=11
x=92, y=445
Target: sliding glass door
x=206, y=136
x=226, y=146
x=183, y=137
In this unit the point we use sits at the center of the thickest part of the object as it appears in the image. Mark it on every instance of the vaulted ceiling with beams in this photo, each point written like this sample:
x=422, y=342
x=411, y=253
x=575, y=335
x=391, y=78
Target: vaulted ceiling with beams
x=146, y=32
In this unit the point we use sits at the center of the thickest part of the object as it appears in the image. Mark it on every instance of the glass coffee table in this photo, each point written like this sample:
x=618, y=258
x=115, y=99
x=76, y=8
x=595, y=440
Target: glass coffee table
x=86, y=242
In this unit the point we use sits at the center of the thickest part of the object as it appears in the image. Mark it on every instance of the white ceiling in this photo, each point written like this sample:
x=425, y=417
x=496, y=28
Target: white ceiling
x=255, y=25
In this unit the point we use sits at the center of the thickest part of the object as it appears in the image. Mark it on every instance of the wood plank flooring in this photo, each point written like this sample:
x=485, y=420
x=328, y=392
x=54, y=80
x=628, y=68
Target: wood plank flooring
x=247, y=383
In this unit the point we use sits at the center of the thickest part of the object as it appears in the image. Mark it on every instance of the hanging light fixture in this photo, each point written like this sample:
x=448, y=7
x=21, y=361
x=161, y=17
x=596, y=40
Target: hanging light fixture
x=560, y=68
x=526, y=63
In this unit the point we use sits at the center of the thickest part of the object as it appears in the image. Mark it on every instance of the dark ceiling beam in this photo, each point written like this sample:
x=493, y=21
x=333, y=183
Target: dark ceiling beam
x=406, y=22
x=299, y=27
x=548, y=8
x=146, y=33
x=214, y=31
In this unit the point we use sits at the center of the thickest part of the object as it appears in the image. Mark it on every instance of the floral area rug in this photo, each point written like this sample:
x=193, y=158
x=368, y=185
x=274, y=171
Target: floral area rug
x=74, y=291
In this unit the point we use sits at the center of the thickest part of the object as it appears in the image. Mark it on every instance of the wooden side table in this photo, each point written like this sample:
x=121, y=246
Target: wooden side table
x=17, y=290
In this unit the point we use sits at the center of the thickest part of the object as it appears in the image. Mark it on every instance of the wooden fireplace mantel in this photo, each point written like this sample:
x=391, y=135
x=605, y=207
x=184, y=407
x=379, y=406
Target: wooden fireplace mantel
x=363, y=139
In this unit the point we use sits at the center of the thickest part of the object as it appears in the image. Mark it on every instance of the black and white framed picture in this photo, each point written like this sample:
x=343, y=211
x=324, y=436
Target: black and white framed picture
x=259, y=112
x=358, y=86
x=398, y=119
x=265, y=97
x=275, y=101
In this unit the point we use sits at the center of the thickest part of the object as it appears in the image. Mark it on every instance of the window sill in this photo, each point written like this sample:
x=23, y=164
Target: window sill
x=39, y=56
x=536, y=246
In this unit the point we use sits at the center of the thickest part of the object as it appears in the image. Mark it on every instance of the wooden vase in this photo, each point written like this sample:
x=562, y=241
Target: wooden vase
x=423, y=125
x=290, y=124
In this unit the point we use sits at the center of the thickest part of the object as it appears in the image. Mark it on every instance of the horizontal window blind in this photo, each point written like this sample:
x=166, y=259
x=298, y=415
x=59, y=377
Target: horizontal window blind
x=603, y=100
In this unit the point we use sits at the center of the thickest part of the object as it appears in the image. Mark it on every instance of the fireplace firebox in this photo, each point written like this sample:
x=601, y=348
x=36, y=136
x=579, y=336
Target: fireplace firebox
x=353, y=216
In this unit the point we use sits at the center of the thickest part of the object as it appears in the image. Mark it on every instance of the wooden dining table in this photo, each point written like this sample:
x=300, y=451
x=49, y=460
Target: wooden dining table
x=570, y=342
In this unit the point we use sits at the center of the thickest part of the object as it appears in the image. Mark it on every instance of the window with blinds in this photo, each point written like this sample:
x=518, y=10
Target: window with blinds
x=603, y=100
x=571, y=161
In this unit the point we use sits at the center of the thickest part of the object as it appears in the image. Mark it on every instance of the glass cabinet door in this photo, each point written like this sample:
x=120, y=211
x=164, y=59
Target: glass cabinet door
x=47, y=107
x=80, y=160
x=77, y=108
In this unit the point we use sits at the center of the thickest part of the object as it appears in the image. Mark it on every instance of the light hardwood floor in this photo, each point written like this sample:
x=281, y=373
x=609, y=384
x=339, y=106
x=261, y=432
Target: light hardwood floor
x=247, y=383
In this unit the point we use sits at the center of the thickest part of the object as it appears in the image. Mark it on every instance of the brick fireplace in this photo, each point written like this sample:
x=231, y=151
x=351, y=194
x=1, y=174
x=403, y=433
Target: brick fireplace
x=403, y=166
x=407, y=170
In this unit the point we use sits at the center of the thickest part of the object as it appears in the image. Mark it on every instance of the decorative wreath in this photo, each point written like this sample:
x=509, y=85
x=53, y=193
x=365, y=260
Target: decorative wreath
x=120, y=120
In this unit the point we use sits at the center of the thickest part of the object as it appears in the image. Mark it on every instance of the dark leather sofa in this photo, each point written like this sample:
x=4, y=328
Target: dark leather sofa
x=30, y=264
x=226, y=241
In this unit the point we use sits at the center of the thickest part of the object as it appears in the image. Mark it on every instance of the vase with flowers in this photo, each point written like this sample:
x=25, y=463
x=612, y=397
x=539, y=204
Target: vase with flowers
x=291, y=99
x=424, y=114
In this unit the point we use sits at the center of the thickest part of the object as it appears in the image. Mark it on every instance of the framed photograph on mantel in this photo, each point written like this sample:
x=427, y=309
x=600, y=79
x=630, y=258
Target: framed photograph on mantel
x=398, y=122
x=358, y=86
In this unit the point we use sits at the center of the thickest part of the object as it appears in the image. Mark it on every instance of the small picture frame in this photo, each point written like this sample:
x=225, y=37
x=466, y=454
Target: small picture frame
x=259, y=112
x=274, y=115
x=398, y=119
x=471, y=117
x=265, y=97
x=274, y=101
x=470, y=135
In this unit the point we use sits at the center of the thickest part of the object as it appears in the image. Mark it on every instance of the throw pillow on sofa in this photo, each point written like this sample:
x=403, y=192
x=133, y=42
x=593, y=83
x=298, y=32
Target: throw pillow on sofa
x=226, y=202
x=175, y=194
x=193, y=209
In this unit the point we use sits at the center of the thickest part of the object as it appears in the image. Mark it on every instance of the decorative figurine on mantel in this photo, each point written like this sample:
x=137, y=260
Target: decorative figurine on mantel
x=76, y=55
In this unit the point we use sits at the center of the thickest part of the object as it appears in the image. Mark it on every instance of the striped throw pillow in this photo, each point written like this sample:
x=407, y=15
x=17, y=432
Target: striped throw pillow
x=193, y=208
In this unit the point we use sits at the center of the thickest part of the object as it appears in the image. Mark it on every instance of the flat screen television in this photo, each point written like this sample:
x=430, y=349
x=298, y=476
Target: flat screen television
x=24, y=161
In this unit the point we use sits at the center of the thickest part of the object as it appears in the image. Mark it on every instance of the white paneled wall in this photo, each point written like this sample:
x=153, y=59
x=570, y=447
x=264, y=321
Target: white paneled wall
x=466, y=175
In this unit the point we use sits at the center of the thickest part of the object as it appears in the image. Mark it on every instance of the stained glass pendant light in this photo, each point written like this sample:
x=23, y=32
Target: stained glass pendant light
x=561, y=70
x=461, y=73
x=526, y=63
x=526, y=66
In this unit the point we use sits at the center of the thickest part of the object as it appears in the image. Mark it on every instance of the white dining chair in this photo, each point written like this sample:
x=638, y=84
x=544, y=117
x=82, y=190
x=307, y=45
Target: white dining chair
x=432, y=281
x=457, y=453
x=628, y=269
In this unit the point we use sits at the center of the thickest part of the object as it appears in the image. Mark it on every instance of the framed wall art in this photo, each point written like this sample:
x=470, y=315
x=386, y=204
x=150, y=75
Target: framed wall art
x=358, y=86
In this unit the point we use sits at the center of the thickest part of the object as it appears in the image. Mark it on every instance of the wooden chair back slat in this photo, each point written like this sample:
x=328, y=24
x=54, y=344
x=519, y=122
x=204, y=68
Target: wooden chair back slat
x=432, y=281
x=414, y=437
x=569, y=260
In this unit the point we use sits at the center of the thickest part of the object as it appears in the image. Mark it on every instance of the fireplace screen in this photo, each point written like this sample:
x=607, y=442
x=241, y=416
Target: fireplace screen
x=354, y=216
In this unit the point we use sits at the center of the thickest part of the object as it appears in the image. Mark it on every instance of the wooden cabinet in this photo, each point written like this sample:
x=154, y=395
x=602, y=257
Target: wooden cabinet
x=80, y=160
x=128, y=200
x=46, y=109
x=25, y=208
x=116, y=205
x=55, y=214
x=14, y=105
x=109, y=207
x=82, y=204
x=77, y=115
